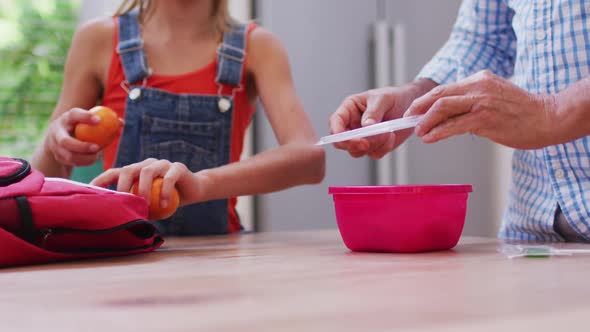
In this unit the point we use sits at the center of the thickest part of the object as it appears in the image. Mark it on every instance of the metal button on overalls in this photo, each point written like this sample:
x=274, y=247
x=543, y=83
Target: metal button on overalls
x=135, y=93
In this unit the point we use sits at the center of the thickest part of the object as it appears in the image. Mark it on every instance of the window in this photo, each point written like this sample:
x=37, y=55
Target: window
x=36, y=35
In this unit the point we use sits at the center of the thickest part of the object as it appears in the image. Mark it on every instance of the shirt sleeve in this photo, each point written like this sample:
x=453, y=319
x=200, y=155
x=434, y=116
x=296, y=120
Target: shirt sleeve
x=482, y=38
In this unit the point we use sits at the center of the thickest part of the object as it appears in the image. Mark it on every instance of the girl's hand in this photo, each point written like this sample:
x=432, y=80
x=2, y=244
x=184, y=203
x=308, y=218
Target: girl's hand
x=189, y=185
x=60, y=141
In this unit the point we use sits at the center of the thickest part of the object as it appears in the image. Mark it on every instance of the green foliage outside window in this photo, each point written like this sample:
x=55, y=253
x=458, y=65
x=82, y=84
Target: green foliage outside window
x=35, y=37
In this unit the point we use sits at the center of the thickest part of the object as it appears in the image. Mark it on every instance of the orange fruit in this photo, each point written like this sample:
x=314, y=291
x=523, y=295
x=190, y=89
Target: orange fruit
x=156, y=211
x=102, y=133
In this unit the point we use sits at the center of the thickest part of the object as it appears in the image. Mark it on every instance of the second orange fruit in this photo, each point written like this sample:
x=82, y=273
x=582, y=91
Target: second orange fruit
x=156, y=211
x=102, y=133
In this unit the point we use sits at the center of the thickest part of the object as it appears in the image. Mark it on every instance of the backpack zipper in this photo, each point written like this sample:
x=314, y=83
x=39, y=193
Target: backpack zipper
x=47, y=232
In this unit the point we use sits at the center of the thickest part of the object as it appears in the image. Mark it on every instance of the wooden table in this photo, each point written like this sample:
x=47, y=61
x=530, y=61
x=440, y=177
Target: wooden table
x=302, y=281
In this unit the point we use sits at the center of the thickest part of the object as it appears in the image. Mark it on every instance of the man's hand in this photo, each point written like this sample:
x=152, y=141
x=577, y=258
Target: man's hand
x=488, y=106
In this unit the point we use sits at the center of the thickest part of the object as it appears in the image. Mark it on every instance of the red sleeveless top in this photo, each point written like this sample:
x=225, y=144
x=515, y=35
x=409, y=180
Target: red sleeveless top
x=200, y=81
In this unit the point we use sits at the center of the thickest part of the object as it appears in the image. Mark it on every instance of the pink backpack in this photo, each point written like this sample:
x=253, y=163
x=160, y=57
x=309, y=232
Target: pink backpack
x=50, y=219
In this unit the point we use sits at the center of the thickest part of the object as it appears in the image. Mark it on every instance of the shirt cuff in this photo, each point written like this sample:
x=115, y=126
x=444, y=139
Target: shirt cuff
x=441, y=71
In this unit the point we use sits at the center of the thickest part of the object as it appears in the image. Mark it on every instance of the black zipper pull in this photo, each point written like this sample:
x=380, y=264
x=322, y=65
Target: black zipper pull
x=46, y=232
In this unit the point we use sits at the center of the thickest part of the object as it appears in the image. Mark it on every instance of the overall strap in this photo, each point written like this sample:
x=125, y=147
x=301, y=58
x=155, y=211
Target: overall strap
x=231, y=54
x=130, y=49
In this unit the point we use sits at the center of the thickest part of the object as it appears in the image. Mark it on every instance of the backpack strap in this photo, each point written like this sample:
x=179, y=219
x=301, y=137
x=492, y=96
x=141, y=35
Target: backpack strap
x=17, y=174
x=12, y=172
x=27, y=229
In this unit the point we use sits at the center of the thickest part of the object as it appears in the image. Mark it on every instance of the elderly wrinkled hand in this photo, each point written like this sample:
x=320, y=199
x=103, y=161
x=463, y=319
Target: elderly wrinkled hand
x=489, y=106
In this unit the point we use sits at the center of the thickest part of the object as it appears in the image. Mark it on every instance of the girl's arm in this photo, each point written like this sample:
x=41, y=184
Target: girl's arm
x=296, y=161
x=84, y=73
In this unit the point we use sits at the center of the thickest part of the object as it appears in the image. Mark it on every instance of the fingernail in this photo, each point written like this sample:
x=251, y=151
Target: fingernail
x=94, y=148
x=368, y=122
x=164, y=204
x=436, y=91
x=95, y=118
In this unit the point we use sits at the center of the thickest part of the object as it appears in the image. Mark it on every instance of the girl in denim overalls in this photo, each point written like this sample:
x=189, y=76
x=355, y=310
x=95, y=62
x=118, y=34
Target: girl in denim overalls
x=184, y=78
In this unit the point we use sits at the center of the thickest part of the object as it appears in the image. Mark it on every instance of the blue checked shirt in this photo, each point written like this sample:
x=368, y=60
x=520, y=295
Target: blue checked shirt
x=544, y=46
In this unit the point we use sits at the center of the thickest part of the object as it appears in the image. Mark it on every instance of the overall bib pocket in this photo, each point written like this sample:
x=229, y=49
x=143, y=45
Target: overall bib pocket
x=194, y=144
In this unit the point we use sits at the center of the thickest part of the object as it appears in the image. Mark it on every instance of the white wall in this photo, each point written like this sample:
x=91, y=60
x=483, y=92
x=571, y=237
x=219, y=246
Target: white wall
x=503, y=173
x=240, y=9
x=92, y=8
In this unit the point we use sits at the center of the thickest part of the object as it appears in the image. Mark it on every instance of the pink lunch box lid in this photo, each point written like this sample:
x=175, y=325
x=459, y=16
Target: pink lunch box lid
x=444, y=188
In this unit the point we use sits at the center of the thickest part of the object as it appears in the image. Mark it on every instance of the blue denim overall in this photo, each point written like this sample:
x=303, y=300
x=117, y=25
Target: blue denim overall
x=191, y=129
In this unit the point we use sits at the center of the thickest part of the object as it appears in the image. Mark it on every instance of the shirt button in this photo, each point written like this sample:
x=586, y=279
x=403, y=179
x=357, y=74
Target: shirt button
x=541, y=34
x=559, y=174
